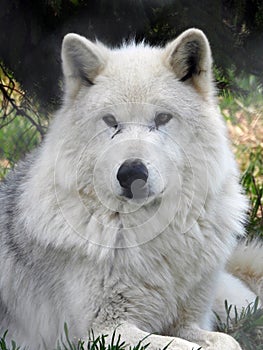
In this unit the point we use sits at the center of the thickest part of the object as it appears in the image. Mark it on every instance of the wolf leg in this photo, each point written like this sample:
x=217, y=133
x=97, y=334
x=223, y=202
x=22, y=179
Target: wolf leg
x=210, y=340
x=132, y=335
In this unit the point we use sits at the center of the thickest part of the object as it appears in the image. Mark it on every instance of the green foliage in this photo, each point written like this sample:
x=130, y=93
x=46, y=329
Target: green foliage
x=243, y=111
x=16, y=139
x=246, y=327
x=21, y=126
x=160, y=26
x=92, y=343
x=100, y=342
x=254, y=190
x=4, y=346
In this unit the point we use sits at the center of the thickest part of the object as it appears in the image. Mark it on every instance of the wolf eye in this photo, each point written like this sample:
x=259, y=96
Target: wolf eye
x=110, y=120
x=162, y=118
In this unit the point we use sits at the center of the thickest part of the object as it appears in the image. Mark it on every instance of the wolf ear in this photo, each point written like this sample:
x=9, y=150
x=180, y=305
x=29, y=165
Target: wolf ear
x=82, y=61
x=189, y=56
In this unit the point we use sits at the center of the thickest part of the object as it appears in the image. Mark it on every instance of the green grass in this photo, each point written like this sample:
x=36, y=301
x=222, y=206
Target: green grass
x=246, y=327
x=16, y=140
x=4, y=346
x=92, y=343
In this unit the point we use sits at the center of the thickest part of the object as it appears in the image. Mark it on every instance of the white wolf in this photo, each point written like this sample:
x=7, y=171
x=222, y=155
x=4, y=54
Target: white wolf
x=129, y=211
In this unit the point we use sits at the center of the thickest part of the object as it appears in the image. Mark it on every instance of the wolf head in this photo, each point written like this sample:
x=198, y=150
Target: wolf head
x=139, y=130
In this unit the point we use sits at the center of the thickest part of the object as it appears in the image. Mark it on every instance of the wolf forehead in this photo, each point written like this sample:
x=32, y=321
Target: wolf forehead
x=138, y=69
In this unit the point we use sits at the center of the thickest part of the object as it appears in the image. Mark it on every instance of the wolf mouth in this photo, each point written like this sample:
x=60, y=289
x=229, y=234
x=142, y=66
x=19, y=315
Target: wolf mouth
x=145, y=196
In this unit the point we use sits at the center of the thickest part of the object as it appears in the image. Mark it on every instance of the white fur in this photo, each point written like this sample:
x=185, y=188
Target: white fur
x=247, y=264
x=149, y=266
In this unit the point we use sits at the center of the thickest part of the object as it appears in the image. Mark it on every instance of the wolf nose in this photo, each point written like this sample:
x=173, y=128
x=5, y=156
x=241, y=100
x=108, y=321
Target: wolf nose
x=130, y=171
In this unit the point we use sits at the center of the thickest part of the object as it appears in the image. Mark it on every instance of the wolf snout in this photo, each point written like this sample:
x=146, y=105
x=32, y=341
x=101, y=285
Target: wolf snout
x=132, y=176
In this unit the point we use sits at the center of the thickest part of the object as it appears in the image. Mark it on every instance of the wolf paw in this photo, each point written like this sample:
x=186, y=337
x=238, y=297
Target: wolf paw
x=174, y=344
x=216, y=341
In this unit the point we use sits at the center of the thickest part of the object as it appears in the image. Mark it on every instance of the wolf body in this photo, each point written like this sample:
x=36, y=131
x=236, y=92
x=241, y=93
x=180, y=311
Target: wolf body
x=128, y=212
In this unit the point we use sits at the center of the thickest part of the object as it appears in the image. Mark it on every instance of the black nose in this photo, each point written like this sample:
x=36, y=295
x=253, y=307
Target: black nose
x=130, y=171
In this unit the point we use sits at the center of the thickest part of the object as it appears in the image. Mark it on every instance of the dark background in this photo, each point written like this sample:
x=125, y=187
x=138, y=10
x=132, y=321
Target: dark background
x=31, y=33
